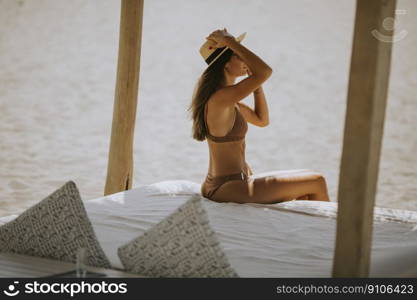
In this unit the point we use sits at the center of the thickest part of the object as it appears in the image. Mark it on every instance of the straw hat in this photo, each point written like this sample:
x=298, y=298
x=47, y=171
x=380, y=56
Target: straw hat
x=210, y=53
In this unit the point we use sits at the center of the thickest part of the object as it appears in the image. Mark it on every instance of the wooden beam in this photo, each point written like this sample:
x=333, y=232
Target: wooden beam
x=120, y=165
x=364, y=124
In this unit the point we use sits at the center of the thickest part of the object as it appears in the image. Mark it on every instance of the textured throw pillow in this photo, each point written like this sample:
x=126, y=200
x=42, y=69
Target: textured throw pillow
x=181, y=245
x=54, y=228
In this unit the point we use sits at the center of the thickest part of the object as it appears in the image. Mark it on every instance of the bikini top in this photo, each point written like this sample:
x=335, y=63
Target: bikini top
x=238, y=131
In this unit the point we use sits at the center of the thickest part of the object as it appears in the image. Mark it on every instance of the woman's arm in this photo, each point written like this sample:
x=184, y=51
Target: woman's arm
x=259, y=116
x=230, y=95
x=257, y=66
x=261, y=107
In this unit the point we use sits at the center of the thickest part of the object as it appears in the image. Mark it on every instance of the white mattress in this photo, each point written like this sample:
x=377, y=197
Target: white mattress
x=290, y=239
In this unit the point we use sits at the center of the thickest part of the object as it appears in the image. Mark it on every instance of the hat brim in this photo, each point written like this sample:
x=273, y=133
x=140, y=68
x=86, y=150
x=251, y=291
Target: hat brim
x=238, y=39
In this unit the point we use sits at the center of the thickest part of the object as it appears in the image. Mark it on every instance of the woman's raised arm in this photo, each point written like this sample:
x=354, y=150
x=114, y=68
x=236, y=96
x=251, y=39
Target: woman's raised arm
x=259, y=69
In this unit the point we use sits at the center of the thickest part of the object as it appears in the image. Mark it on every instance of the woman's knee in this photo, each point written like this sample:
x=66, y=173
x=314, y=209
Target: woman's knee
x=322, y=180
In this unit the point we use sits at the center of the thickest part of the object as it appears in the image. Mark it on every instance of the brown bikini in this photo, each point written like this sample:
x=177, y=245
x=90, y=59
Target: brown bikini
x=227, y=156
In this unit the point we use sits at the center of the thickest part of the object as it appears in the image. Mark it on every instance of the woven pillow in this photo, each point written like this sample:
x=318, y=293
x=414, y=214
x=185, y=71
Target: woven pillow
x=181, y=245
x=54, y=228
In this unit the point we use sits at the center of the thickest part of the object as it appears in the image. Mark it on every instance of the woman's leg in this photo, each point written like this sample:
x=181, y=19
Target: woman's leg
x=291, y=173
x=278, y=187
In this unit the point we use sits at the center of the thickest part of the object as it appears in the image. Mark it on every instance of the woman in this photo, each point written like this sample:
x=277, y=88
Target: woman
x=219, y=117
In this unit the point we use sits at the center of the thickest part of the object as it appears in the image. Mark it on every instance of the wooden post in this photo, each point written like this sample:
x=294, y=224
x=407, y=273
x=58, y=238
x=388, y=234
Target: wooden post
x=120, y=165
x=367, y=93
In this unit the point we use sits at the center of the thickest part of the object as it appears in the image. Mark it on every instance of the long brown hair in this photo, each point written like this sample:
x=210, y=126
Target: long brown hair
x=209, y=82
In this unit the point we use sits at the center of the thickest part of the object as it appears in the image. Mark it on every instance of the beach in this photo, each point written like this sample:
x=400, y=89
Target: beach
x=58, y=67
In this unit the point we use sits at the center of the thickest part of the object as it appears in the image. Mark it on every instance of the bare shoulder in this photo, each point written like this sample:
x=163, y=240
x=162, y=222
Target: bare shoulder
x=218, y=103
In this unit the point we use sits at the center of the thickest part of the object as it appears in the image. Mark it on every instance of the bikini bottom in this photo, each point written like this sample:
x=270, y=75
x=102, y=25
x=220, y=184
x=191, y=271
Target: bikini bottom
x=213, y=183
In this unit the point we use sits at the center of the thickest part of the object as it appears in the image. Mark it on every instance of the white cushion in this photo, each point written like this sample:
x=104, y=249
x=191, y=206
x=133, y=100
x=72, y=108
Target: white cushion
x=181, y=245
x=54, y=228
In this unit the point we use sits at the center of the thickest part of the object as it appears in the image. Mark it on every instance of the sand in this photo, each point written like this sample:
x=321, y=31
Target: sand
x=57, y=76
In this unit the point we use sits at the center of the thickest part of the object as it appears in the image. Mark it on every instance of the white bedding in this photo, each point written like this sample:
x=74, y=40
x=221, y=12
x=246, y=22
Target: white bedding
x=290, y=239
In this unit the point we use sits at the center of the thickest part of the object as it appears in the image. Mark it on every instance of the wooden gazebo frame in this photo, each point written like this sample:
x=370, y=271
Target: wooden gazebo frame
x=366, y=103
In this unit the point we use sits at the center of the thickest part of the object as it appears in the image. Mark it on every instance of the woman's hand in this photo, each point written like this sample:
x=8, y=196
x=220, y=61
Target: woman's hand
x=219, y=37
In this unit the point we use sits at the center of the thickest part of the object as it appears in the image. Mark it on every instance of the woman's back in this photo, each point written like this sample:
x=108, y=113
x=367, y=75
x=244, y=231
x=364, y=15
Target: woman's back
x=237, y=132
x=227, y=153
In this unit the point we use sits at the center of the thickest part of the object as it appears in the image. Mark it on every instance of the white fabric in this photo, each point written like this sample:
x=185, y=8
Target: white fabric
x=289, y=239
x=182, y=245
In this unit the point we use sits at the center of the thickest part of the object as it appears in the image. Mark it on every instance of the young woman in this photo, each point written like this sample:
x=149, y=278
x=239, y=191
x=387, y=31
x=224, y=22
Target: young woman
x=219, y=117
